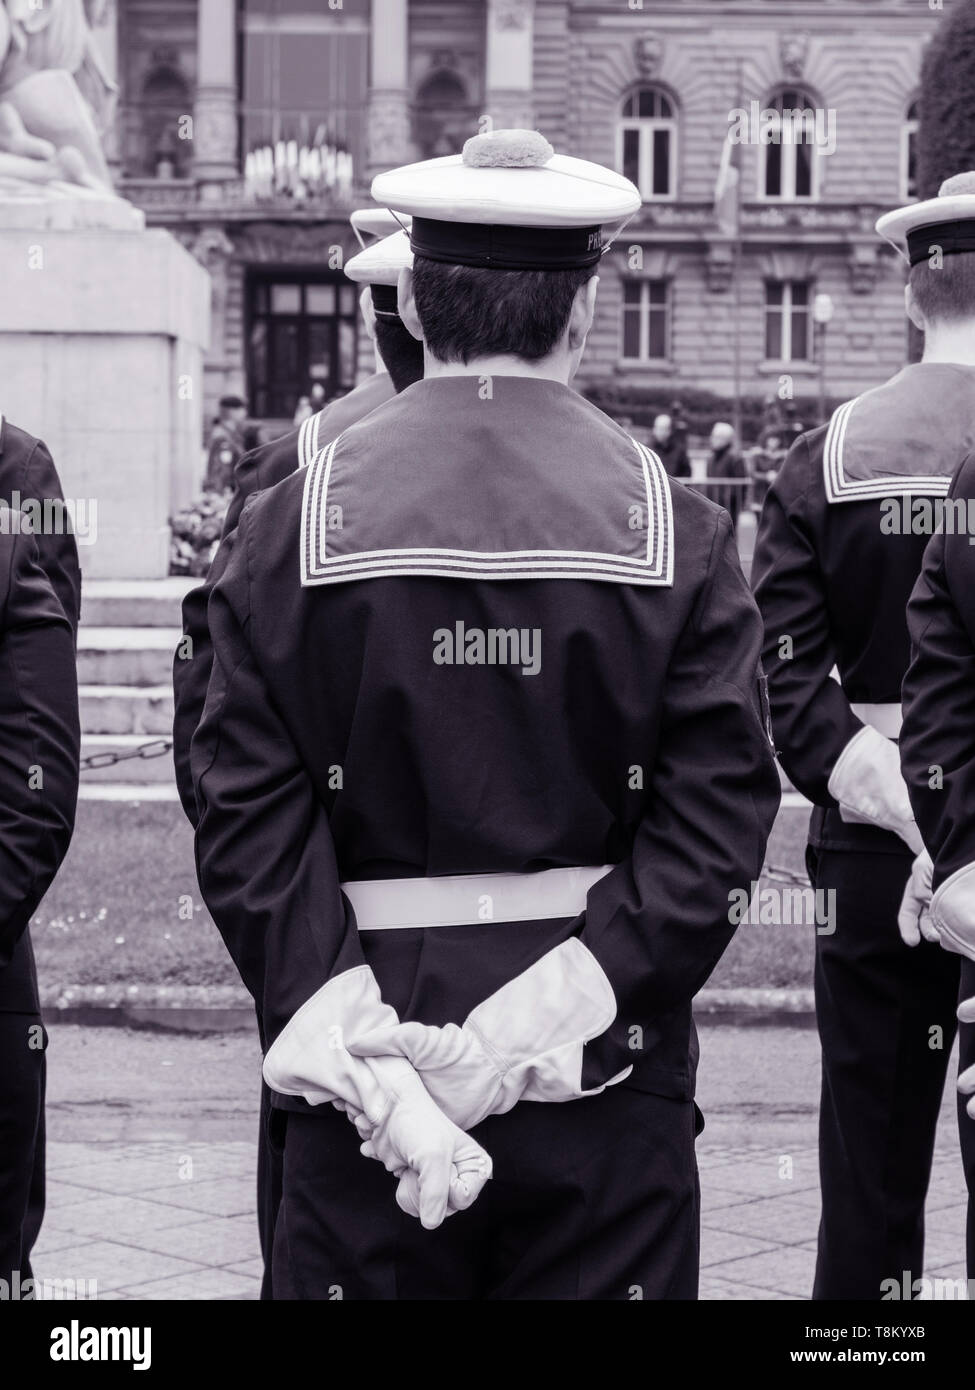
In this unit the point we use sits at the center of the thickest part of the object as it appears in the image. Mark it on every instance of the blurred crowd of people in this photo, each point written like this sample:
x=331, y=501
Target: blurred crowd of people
x=736, y=478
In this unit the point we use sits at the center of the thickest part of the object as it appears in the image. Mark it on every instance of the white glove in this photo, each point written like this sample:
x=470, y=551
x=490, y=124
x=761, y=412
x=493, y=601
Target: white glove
x=441, y=1169
x=524, y=1042
x=953, y=912
x=966, y=1078
x=383, y=1097
x=914, y=917
x=868, y=784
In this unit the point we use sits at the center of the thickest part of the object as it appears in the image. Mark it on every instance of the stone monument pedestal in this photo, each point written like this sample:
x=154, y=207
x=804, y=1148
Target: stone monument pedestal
x=102, y=334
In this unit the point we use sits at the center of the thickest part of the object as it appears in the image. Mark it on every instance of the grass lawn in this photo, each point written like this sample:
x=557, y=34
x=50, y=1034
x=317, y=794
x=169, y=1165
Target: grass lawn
x=126, y=908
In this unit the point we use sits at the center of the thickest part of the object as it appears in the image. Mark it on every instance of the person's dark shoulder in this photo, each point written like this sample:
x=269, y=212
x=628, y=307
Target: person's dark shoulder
x=799, y=481
x=25, y=462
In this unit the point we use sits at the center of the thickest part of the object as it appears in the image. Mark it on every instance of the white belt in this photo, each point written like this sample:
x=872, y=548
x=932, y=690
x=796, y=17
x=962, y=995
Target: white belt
x=886, y=719
x=465, y=900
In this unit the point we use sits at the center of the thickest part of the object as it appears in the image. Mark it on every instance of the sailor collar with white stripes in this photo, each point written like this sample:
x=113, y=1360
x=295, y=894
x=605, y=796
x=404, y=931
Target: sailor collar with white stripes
x=615, y=527
x=905, y=437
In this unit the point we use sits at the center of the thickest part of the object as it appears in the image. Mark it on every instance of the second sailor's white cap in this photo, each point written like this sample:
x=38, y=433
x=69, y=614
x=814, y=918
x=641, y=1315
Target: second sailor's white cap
x=372, y=224
x=509, y=202
x=947, y=221
x=378, y=266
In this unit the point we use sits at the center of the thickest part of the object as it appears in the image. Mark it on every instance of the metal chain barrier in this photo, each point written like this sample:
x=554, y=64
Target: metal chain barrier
x=155, y=749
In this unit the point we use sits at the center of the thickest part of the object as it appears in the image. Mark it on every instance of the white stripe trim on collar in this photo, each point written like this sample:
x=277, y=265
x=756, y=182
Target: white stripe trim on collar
x=840, y=489
x=657, y=569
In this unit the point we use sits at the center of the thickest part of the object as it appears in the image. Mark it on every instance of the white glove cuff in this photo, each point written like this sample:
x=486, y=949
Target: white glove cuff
x=535, y=1027
x=868, y=784
x=953, y=911
x=310, y=1058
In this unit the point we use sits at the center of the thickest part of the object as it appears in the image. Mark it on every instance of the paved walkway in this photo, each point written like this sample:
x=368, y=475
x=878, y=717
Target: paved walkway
x=151, y=1165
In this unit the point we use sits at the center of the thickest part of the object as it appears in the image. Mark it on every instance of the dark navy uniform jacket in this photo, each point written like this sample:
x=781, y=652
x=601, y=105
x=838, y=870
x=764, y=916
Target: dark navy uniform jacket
x=938, y=736
x=34, y=643
x=27, y=469
x=259, y=469
x=334, y=747
x=39, y=720
x=835, y=563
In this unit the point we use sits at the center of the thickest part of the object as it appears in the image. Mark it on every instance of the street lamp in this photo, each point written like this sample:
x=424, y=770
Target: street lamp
x=822, y=312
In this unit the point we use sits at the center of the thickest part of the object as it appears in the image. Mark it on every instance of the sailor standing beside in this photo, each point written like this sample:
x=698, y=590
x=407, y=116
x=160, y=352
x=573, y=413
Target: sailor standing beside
x=833, y=569
x=937, y=743
x=399, y=362
x=477, y=775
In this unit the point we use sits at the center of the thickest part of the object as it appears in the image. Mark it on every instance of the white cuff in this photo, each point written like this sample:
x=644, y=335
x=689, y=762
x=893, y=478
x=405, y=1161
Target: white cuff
x=868, y=784
x=953, y=912
x=310, y=1057
x=535, y=1027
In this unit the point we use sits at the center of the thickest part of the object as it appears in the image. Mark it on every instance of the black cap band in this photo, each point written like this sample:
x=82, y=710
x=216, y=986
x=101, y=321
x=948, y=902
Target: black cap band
x=506, y=248
x=384, y=300
x=950, y=238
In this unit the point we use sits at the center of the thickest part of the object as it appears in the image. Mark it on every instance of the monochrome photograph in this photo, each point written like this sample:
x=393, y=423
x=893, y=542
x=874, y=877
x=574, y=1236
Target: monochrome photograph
x=487, y=664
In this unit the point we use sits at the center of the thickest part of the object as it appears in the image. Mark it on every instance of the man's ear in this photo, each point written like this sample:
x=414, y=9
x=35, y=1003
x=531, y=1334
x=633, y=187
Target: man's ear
x=912, y=308
x=368, y=312
x=406, y=304
x=582, y=313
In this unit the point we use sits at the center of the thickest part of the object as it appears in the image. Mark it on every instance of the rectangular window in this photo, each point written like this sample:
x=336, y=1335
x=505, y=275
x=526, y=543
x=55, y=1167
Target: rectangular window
x=645, y=323
x=787, y=336
x=301, y=329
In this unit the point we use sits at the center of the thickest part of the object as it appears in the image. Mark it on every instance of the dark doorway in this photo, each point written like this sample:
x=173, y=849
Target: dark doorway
x=301, y=329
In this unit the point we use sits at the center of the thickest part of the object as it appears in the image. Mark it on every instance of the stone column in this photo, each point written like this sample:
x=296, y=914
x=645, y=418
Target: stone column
x=388, y=120
x=508, y=64
x=104, y=36
x=215, y=111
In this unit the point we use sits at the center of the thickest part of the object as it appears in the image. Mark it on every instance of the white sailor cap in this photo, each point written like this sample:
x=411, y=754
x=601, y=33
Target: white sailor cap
x=372, y=224
x=378, y=266
x=509, y=202
x=947, y=221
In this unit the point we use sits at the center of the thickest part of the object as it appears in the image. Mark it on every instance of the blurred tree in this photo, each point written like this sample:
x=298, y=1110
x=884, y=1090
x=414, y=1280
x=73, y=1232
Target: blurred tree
x=946, y=116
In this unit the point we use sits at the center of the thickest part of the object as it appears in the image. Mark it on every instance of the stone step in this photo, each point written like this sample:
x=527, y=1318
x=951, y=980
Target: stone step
x=126, y=709
x=134, y=602
x=155, y=771
x=136, y=656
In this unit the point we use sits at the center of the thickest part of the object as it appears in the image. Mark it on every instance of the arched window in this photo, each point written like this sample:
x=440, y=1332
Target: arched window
x=909, y=152
x=647, y=142
x=443, y=117
x=789, y=167
x=165, y=97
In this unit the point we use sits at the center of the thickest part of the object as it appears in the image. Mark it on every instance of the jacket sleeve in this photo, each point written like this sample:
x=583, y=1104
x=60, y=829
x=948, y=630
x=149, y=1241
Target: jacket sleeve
x=264, y=851
x=194, y=655
x=56, y=545
x=937, y=742
x=40, y=747
x=659, y=922
x=812, y=721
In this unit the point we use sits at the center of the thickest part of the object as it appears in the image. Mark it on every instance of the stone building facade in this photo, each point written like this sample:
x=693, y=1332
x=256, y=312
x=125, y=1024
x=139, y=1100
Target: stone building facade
x=649, y=86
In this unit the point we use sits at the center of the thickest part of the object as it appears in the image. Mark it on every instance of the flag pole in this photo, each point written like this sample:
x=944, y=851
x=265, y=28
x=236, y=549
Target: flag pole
x=736, y=262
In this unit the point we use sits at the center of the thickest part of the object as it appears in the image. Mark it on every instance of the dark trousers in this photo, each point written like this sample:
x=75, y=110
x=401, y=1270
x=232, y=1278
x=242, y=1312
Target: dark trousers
x=966, y=1125
x=270, y=1158
x=886, y=1018
x=593, y=1199
x=22, y=1076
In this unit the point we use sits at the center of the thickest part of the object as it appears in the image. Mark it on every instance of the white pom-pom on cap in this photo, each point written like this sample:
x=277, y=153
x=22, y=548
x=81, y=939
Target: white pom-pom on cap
x=958, y=183
x=507, y=149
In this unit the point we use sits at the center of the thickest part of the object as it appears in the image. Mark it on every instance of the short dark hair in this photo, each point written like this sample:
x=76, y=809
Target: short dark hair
x=469, y=311
x=945, y=293
x=402, y=354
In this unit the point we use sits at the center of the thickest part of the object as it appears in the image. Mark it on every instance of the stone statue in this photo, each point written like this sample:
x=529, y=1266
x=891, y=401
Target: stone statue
x=54, y=98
